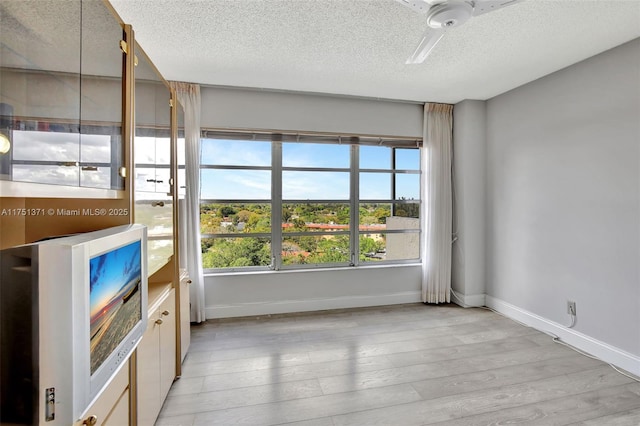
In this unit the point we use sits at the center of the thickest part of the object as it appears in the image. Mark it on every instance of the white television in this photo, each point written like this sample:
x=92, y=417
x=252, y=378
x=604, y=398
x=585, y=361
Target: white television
x=72, y=310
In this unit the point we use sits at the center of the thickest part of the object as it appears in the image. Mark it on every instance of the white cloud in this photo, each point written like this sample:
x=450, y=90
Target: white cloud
x=55, y=175
x=236, y=184
x=59, y=146
x=236, y=153
x=315, y=185
x=47, y=146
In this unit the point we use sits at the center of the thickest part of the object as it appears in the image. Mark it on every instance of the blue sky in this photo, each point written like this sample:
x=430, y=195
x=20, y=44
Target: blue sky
x=221, y=184
x=250, y=184
x=110, y=271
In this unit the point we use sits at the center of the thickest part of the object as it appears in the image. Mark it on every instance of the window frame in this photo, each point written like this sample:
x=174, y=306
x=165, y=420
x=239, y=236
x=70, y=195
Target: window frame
x=277, y=202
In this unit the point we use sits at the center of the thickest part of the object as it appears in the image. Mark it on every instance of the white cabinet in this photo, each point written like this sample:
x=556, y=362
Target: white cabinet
x=156, y=360
x=185, y=314
x=112, y=406
x=120, y=414
x=149, y=376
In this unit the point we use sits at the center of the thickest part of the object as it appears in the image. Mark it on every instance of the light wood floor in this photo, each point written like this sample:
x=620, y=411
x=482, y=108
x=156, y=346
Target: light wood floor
x=394, y=365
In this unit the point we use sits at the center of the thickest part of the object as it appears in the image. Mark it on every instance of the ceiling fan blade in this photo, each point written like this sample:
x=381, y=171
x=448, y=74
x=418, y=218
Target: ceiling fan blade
x=419, y=6
x=485, y=6
x=430, y=38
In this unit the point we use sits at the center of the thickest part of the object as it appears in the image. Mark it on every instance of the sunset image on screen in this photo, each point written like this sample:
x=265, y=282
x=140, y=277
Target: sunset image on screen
x=115, y=299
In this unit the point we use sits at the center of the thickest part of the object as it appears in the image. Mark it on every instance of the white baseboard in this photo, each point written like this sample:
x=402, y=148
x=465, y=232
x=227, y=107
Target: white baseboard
x=601, y=350
x=468, y=300
x=288, y=306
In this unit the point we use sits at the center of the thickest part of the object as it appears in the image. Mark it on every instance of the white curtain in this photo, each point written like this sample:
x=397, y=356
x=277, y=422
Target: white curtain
x=189, y=98
x=437, y=202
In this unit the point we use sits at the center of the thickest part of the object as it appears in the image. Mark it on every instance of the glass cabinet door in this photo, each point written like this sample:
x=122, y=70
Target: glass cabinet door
x=152, y=144
x=182, y=183
x=157, y=214
x=61, y=94
x=153, y=162
x=101, y=149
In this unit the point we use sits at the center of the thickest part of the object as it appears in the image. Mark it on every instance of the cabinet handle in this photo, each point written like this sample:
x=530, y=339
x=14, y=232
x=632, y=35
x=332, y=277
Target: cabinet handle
x=91, y=420
x=165, y=313
x=189, y=281
x=159, y=321
x=157, y=204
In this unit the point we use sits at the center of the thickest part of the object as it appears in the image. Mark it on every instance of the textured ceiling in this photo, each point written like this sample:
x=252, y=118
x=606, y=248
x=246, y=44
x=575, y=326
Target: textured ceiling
x=359, y=47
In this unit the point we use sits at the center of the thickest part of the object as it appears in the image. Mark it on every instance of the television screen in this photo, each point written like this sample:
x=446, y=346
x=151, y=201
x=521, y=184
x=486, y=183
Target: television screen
x=114, y=298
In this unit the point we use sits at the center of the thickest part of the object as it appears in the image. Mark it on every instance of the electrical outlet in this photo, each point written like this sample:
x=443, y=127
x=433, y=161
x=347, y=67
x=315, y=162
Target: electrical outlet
x=571, y=307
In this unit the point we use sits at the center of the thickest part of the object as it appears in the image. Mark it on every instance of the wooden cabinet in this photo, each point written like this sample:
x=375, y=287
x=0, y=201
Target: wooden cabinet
x=61, y=103
x=156, y=354
x=112, y=406
x=155, y=196
x=154, y=162
x=65, y=111
x=120, y=414
x=148, y=368
x=185, y=314
x=167, y=347
x=67, y=108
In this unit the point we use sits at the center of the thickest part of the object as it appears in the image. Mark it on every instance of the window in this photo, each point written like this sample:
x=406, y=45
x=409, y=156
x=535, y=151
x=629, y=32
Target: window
x=291, y=201
x=235, y=214
x=64, y=154
x=389, y=213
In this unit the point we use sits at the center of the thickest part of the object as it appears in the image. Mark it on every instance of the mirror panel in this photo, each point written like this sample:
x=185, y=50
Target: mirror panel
x=61, y=93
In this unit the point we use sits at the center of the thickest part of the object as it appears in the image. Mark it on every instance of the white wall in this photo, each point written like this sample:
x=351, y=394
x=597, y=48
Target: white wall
x=229, y=295
x=563, y=194
x=469, y=175
x=270, y=110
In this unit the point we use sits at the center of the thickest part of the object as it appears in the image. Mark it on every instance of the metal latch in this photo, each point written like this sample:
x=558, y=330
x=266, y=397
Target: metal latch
x=49, y=404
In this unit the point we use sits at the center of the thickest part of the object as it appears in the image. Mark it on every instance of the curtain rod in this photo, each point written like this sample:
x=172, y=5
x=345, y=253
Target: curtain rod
x=319, y=94
x=310, y=134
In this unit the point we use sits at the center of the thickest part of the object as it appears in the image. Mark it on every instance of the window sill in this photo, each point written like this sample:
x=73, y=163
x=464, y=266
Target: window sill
x=306, y=270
